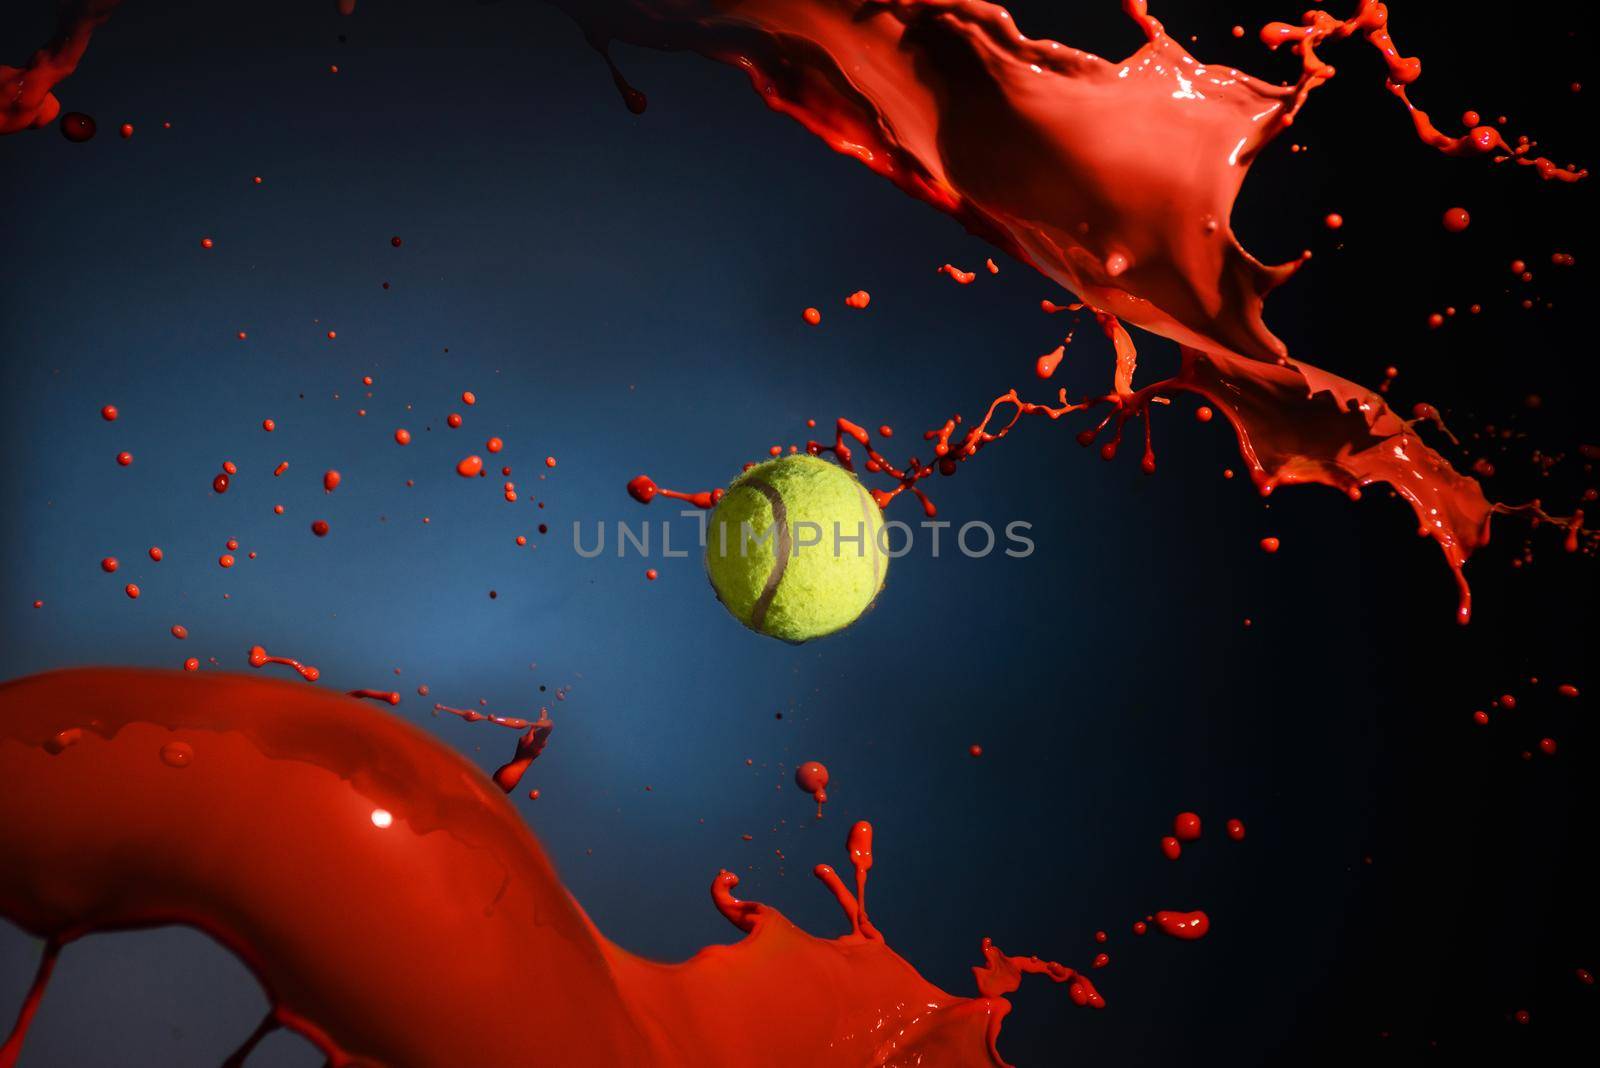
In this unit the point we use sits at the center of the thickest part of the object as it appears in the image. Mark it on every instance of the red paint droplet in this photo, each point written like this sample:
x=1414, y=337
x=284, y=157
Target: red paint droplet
x=179, y=631
x=395, y=241
x=125, y=459
x=453, y=420
x=469, y=398
x=1171, y=848
x=268, y=425
x=402, y=436
x=812, y=777
x=75, y=125
x=859, y=299
x=975, y=750
x=330, y=481
x=132, y=591
x=1236, y=830
x=643, y=489
x=220, y=483
x=1269, y=545
x=320, y=528
x=109, y=564
x=470, y=467
x=1547, y=746
x=1333, y=221
x=206, y=242
x=1186, y=826
x=191, y=664
x=1456, y=220
x=1203, y=414
x=651, y=574
x=812, y=316
x=549, y=461
x=126, y=131
x=494, y=444
x=225, y=560
x=109, y=413
x=156, y=554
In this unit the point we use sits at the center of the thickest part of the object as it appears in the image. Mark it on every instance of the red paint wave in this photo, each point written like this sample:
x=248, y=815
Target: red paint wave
x=397, y=909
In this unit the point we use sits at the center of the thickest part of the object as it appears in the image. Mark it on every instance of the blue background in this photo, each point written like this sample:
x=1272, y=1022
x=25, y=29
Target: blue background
x=624, y=293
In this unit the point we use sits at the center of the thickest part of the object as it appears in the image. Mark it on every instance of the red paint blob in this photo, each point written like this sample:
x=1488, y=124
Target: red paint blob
x=1185, y=925
x=1186, y=826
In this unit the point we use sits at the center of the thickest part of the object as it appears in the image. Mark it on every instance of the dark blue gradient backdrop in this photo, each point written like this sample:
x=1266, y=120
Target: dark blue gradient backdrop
x=624, y=293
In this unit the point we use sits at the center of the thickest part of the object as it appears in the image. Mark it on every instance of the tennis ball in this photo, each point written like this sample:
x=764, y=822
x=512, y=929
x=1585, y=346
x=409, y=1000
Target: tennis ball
x=793, y=549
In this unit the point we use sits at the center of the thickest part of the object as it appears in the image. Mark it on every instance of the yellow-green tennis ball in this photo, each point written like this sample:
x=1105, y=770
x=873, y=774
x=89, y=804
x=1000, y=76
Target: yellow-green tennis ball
x=794, y=548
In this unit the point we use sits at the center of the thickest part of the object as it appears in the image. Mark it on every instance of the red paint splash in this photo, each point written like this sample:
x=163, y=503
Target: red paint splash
x=256, y=769
x=1064, y=160
x=536, y=734
x=956, y=107
x=26, y=100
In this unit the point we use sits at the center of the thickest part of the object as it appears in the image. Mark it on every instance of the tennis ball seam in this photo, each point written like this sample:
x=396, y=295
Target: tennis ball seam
x=868, y=505
x=780, y=520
